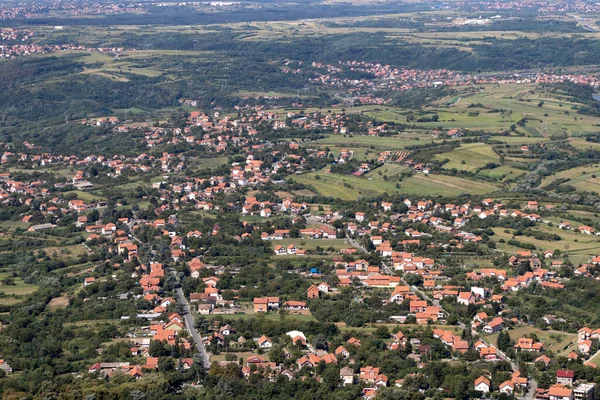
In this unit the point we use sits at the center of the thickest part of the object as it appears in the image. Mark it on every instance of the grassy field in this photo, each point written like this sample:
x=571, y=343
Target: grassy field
x=65, y=252
x=444, y=185
x=374, y=142
x=345, y=187
x=8, y=225
x=583, y=178
x=311, y=244
x=496, y=107
x=371, y=327
x=572, y=243
x=273, y=316
x=469, y=157
x=244, y=355
x=559, y=343
x=86, y=196
x=391, y=171
x=212, y=162
x=502, y=173
x=19, y=288
x=348, y=187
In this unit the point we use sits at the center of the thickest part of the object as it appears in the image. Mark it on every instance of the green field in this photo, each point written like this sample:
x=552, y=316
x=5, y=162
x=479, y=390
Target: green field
x=19, y=288
x=469, y=157
x=444, y=185
x=391, y=171
x=347, y=187
x=374, y=142
x=503, y=172
x=572, y=243
x=311, y=244
x=559, y=343
x=86, y=196
x=583, y=178
x=212, y=162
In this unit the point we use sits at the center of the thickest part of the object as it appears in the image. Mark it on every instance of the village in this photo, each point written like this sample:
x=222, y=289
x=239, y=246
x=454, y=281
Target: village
x=381, y=251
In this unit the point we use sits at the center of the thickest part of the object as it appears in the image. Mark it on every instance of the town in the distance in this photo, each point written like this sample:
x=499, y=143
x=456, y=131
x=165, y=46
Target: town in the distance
x=269, y=200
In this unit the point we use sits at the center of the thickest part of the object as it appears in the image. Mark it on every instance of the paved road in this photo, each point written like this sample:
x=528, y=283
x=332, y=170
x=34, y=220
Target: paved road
x=187, y=316
x=189, y=323
x=355, y=243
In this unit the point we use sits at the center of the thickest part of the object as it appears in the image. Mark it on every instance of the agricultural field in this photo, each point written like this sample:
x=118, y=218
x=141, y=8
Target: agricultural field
x=345, y=187
x=85, y=196
x=571, y=243
x=348, y=187
x=584, y=178
x=494, y=108
x=444, y=185
x=469, y=157
x=502, y=173
x=398, y=142
x=16, y=288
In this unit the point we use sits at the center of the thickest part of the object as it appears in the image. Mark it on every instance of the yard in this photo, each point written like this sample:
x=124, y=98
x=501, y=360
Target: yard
x=559, y=343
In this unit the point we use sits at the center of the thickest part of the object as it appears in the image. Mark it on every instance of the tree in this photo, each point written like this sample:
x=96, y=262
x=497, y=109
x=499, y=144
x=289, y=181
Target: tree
x=503, y=342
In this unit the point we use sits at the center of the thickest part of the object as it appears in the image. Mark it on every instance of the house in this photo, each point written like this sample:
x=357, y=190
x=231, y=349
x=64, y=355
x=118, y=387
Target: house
x=324, y=287
x=465, y=298
x=347, y=376
x=506, y=387
x=494, y=325
x=488, y=353
x=291, y=249
x=584, y=391
x=418, y=306
x=280, y=250
x=342, y=351
x=482, y=384
x=5, y=367
x=527, y=344
x=565, y=377
x=264, y=342
x=313, y=292
x=369, y=374
x=543, y=359
x=294, y=305
x=265, y=304
x=585, y=346
x=559, y=392
x=89, y=281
